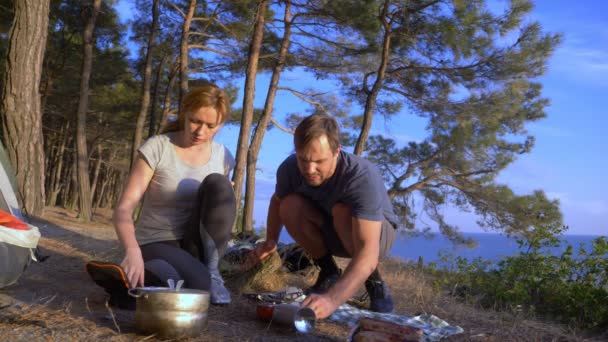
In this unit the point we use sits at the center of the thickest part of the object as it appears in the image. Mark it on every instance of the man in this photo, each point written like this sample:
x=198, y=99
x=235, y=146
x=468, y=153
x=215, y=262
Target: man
x=333, y=203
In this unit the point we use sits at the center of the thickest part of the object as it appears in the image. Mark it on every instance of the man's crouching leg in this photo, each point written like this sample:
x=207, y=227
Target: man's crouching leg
x=378, y=291
x=304, y=222
x=379, y=295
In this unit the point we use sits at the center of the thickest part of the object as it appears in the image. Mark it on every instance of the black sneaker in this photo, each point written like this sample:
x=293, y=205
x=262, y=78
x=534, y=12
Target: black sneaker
x=324, y=282
x=379, y=296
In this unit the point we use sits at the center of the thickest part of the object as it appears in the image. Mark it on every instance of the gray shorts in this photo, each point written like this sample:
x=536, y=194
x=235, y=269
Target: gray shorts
x=388, y=236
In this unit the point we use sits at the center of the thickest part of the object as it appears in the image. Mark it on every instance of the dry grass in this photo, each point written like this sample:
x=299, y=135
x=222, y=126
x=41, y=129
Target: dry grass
x=56, y=301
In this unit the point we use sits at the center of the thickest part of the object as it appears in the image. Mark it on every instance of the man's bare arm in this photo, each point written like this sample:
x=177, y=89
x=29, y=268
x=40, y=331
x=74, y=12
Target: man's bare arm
x=273, y=230
x=366, y=240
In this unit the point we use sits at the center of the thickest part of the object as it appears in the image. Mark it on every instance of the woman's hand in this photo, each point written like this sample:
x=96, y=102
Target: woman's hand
x=133, y=265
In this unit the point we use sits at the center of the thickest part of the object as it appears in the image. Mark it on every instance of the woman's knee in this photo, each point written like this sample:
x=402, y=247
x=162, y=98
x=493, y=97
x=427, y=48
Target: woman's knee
x=216, y=182
x=216, y=189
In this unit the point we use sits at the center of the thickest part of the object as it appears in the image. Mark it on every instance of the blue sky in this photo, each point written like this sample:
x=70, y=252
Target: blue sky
x=569, y=159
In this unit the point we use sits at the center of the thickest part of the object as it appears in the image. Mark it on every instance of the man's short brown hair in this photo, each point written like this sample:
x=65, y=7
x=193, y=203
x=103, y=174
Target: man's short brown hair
x=314, y=127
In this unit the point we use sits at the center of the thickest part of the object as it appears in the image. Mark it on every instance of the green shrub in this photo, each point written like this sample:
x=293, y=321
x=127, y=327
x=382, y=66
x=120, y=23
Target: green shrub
x=573, y=290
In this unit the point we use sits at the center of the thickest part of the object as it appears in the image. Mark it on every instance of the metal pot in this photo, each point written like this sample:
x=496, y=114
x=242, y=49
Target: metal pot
x=170, y=313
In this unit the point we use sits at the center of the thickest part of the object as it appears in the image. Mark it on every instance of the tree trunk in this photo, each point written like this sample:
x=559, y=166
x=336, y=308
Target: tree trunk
x=102, y=186
x=57, y=168
x=72, y=194
x=116, y=188
x=64, y=180
x=183, y=52
x=96, y=172
x=46, y=92
x=106, y=178
x=84, y=184
x=260, y=130
x=21, y=117
x=167, y=100
x=52, y=144
x=152, y=128
x=145, y=96
x=110, y=174
x=372, y=96
x=247, y=118
x=50, y=148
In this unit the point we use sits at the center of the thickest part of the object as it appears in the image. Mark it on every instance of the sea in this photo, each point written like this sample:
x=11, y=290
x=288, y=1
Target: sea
x=490, y=246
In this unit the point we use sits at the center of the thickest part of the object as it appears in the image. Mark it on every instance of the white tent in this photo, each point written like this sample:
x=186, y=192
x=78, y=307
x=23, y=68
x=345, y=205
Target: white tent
x=8, y=200
x=16, y=246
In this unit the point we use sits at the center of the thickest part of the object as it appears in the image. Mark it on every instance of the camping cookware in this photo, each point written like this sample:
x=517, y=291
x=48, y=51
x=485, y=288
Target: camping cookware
x=292, y=315
x=170, y=312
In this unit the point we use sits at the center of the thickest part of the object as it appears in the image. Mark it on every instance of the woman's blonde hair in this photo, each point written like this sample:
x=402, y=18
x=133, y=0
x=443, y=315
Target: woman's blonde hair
x=207, y=95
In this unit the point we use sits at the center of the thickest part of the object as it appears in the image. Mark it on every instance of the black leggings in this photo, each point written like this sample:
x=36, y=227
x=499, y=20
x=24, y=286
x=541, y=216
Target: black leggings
x=197, y=255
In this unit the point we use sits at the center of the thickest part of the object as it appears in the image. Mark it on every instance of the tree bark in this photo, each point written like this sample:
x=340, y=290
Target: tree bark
x=84, y=184
x=247, y=117
x=183, y=52
x=21, y=117
x=262, y=126
x=145, y=96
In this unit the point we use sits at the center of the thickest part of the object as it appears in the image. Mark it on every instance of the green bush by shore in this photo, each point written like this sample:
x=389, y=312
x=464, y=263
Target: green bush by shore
x=567, y=288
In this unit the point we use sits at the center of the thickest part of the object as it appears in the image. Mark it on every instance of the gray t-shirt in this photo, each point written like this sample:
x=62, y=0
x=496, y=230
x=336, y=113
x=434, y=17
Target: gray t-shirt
x=356, y=183
x=172, y=192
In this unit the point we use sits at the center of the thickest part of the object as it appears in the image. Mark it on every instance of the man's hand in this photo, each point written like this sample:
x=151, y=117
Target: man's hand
x=262, y=250
x=133, y=265
x=323, y=305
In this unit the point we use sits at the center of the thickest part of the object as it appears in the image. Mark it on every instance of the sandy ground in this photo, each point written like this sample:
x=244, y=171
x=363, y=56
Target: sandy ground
x=57, y=301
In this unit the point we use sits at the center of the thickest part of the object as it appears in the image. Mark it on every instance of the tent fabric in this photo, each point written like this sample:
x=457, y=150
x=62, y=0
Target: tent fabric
x=8, y=185
x=20, y=238
x=13, y=262
x=16, y=252
x=17, y=239
x=10, y=221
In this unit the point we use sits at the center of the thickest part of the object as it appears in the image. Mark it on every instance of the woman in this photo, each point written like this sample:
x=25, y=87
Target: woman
x=188, y=202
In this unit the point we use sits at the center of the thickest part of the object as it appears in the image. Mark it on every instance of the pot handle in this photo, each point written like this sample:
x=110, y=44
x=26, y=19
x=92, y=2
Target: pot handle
x=135, y=292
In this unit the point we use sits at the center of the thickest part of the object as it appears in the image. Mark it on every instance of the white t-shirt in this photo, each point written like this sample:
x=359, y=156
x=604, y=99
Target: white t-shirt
x=172, y=192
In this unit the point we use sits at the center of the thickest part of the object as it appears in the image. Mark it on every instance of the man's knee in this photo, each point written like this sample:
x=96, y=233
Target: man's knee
x=290, y=206
x=295, y=210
